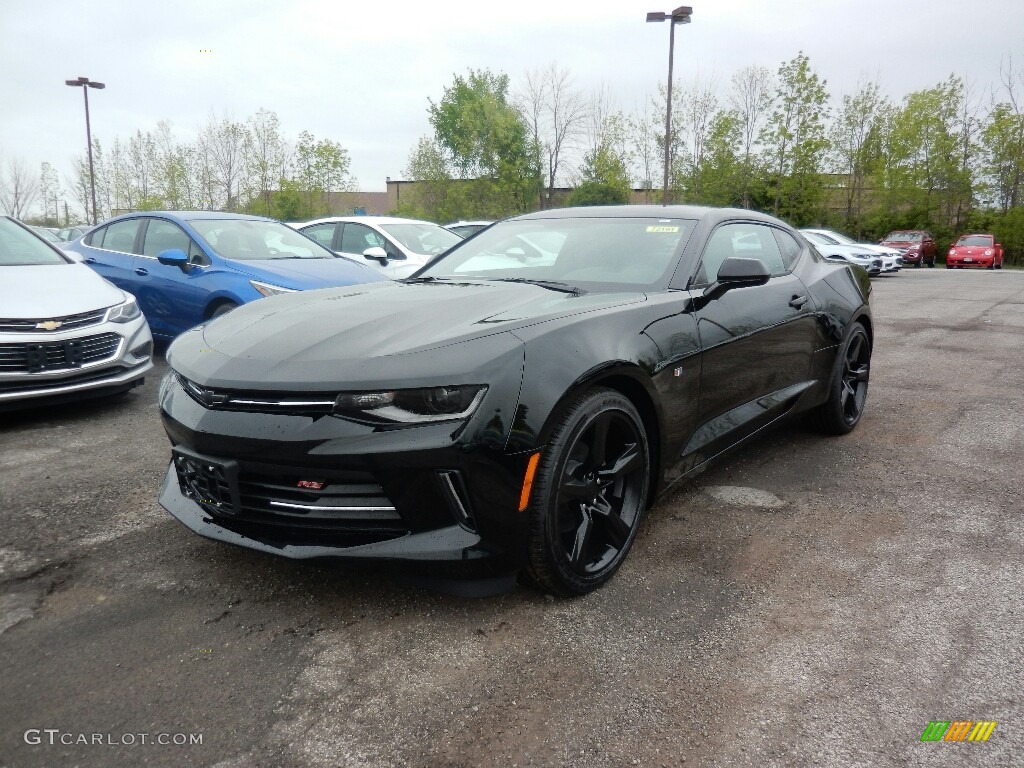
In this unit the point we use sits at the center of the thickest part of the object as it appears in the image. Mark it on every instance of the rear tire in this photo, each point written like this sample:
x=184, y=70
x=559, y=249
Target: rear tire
x=848, y=386
x=589, y=493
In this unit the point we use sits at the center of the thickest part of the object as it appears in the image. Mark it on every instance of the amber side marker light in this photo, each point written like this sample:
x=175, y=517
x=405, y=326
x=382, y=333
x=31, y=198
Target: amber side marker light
x=531, y=468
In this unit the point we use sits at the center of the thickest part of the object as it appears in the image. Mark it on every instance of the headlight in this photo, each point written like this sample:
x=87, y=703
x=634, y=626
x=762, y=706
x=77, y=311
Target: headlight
x=123, y=313
x=988, y=251
x=952, y=252
x=266, y=289
x=410, y=406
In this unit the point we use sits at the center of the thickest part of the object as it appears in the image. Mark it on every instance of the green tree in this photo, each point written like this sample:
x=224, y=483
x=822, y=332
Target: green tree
x=605, y=179
x=484, y=141
x=856, y=150
x=795, y=141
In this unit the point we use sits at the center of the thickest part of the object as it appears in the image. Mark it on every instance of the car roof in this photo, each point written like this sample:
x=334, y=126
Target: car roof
x=466, y=223
x=651, y=212
x=192, y=216
x=363, y=220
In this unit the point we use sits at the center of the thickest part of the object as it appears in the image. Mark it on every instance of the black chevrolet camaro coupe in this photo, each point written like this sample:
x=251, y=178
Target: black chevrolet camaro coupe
x=520, y=401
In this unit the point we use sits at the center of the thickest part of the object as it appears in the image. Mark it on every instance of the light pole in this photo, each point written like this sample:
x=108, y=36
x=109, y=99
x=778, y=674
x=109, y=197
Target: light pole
x=680, y=15
x=86, y=84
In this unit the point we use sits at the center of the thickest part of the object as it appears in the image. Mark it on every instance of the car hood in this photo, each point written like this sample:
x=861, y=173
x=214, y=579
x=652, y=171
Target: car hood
x=970, y=250
x=302, y=272
x=902, y=243
x=294, y=340
x=54, y=290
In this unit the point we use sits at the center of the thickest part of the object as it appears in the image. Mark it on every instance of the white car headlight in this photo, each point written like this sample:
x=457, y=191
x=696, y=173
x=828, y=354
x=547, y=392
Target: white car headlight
x=988, y=251
x=124, y=313
x=266, y=289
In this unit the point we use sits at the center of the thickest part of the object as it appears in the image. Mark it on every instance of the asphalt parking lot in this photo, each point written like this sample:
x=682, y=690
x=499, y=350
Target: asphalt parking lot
x=808, y=602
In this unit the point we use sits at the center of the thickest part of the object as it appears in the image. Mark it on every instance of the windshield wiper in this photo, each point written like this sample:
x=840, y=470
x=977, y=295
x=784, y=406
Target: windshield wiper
x=551, y=285
x=424, y=279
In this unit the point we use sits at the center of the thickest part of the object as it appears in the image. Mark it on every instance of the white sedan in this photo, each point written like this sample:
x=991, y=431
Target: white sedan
x=892, y=261
x=397, y=247
x=65, y=332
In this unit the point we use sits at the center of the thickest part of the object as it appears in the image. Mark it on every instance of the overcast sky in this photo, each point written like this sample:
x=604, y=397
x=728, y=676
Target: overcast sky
x=361, y=72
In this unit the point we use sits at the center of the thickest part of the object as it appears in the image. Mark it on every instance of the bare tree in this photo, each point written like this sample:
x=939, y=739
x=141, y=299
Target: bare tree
x=223, y=144
x=19, y=188
x=647, y=156
x=263, y=155
x=751, y=100
x=49, y=192
x=699, y=106
x=556, y=113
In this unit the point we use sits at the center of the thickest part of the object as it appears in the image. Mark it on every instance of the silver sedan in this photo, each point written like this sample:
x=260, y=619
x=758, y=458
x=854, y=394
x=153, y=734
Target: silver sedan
x=65, y=332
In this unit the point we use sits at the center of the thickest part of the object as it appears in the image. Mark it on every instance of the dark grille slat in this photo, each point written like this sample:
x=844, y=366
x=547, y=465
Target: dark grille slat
x=15, y=356
x=207, y=482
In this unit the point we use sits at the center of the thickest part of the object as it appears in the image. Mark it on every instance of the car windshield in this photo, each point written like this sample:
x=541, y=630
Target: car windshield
x=422, y=238
x=599, y=253
x=905, y=236
x=841, y=239
x=19, y=248
x=818, y=239
x=247, y=240
x=47, y=235
x=985, y=241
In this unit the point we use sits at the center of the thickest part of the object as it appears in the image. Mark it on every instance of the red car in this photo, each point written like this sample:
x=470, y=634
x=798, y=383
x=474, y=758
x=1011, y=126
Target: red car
x=981, y=251
x=916, y=245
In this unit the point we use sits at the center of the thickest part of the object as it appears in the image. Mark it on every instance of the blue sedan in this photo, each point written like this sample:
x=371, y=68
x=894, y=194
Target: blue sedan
x=187, y=267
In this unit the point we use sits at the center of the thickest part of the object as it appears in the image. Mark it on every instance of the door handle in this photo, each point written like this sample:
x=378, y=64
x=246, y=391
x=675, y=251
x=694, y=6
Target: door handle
x=141, y=272
x=797, y=301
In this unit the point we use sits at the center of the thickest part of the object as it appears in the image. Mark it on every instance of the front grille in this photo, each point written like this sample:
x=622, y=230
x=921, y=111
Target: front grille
x=39, y=325
x=350, y=506
x=58, y=355
x=310, y=404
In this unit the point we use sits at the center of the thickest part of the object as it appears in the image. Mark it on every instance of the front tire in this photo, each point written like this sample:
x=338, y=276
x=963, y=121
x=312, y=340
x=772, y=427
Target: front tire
x=222, y=309
x=848, y=386
x=589, y=493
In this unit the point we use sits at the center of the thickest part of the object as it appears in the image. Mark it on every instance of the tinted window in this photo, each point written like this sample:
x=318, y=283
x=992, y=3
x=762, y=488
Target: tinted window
x=120, y=236
x=322, y=233
x=743, y=240
x=163, y=235
x=789, y=247
x=21, y=248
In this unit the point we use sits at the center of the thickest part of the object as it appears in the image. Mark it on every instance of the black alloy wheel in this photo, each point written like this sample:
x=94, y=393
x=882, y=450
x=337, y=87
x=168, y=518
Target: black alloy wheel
x=848, y=389
x=589, y=493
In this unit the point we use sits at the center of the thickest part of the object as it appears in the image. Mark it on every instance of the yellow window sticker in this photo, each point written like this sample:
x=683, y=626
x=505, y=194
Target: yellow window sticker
x=662, y=228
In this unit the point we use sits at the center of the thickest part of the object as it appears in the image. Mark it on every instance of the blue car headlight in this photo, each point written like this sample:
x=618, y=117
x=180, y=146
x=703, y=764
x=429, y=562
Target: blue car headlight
x=268, y=289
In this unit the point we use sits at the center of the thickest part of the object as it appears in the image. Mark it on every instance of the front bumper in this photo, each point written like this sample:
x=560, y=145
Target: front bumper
x=100, y=359
x=316, y=486
x=983, y=262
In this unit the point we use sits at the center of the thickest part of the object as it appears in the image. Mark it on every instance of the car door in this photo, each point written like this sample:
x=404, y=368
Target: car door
x=169, y=296
x=356, y=238
x=111, y=252
x=757, y=341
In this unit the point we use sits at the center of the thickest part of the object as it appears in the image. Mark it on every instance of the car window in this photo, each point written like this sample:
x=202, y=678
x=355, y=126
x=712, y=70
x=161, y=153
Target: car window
x=356, y=238
x=21, y=248
x=788, y=246
x=322, y=233
x=256, y=240
x=120, y=236
x=422, y=237
x=162, y=235
x=984, y=241
x=613, y=253
x=743, y=240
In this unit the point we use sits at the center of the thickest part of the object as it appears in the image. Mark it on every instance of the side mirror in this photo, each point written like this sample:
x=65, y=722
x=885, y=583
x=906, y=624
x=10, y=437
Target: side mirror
x=834, y=257
x=378, y=253
x=737, y=272
x=174, y=257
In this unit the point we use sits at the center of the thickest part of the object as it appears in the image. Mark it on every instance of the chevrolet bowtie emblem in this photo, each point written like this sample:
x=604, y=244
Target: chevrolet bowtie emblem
x=49, y=325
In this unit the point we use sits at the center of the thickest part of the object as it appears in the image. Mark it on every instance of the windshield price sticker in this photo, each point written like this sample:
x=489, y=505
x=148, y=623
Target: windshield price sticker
x=662, y=228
